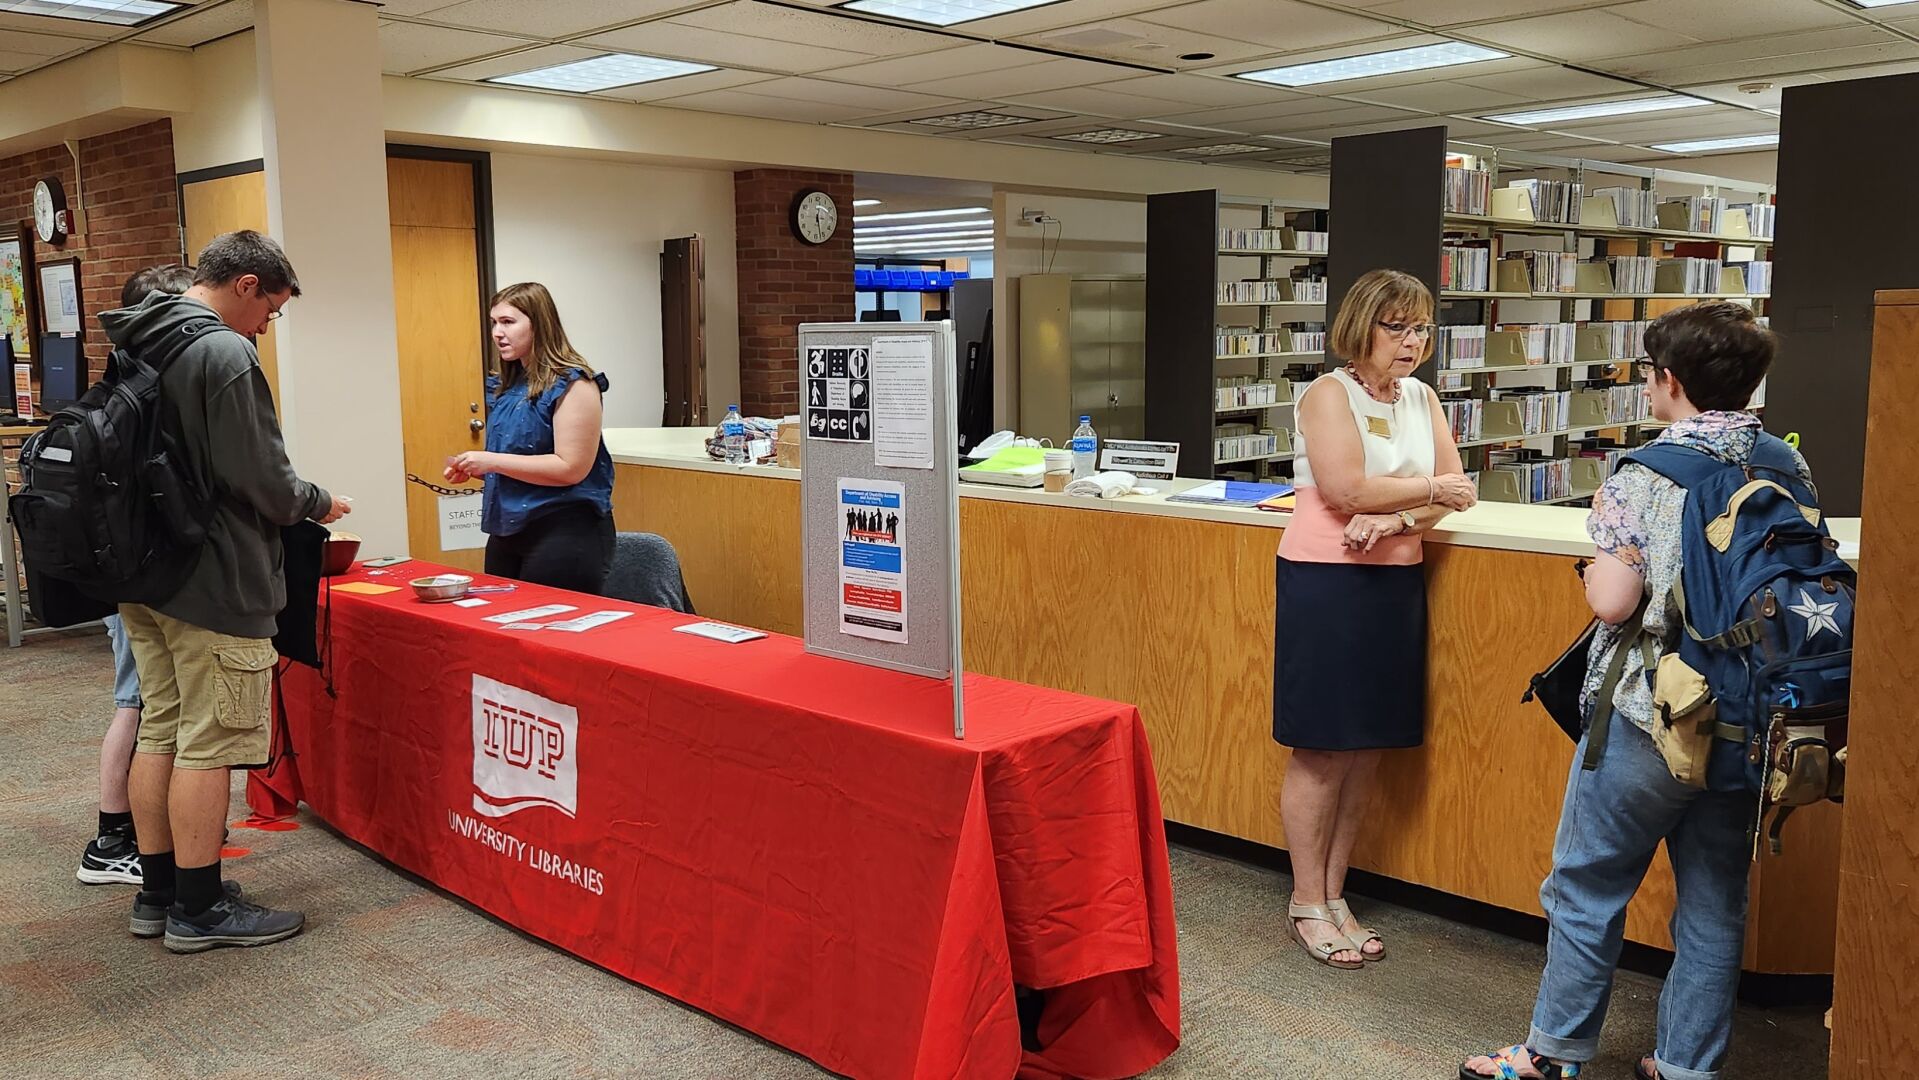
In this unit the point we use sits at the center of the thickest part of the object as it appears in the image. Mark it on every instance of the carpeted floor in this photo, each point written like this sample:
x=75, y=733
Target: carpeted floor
x=393, y=979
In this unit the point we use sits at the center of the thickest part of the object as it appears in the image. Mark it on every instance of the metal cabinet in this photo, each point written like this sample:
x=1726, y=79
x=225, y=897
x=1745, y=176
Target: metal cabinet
x=1082, y=352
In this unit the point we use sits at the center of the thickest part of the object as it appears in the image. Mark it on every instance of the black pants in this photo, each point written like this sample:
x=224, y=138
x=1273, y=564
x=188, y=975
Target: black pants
x=568, y=548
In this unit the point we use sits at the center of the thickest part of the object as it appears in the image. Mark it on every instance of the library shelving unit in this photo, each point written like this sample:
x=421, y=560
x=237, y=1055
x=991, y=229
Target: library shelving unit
x=1595, y=363
x=1229, y=328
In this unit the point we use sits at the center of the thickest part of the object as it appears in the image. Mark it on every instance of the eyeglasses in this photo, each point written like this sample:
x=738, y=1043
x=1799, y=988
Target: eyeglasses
x=274, y=313
x=1645, y=368
x=1422, y=331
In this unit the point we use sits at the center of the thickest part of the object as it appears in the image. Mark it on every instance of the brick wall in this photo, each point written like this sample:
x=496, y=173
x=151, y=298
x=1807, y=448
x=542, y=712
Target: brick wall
x=131, y=207
x=784, y=281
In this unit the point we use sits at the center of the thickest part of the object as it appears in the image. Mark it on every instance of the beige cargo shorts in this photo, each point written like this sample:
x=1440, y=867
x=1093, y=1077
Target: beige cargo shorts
x=208, y=695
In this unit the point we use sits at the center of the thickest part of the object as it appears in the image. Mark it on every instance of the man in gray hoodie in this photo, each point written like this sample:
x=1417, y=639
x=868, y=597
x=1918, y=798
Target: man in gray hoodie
x=205, y=656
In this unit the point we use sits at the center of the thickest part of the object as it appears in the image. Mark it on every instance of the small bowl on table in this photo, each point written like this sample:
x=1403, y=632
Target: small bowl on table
x=441, y=588
x=338, y=553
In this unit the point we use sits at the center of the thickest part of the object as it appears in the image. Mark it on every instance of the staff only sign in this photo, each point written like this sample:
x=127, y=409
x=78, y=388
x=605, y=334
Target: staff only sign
x=525, y=756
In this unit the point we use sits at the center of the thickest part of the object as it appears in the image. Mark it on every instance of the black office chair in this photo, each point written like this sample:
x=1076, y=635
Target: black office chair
x=646, y=570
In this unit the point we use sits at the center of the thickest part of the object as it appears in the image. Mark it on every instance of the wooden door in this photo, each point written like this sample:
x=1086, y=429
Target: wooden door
x=227, y=204
x=683, y=331
x=436, y=297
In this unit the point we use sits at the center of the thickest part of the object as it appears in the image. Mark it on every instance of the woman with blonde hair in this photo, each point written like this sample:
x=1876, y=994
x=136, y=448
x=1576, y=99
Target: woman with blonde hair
x=548, y=507
x=1377, y=468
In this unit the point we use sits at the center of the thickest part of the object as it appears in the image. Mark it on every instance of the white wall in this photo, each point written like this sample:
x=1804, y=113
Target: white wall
x=1094, y=236
x=224, y=126
x=591, y=231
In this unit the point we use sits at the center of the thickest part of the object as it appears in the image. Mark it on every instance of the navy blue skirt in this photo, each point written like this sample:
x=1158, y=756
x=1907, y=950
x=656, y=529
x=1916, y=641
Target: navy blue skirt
x=1349, y=656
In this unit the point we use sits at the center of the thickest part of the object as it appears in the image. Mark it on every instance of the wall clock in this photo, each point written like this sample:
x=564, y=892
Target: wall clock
x=50, y=211
x=815, y=217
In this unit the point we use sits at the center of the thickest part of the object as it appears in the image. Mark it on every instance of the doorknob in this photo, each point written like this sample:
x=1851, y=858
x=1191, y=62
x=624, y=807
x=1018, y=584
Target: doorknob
x=477, y=425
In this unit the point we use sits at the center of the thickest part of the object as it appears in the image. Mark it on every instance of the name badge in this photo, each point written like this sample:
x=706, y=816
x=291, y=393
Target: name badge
x=1377, y=425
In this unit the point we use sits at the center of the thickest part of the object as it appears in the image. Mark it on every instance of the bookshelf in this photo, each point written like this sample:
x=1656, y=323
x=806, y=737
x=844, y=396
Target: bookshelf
x=1235, y=313
x=1532, y=303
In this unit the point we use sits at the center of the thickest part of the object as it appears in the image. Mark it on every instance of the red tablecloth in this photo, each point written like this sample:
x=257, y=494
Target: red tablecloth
x=792, y=843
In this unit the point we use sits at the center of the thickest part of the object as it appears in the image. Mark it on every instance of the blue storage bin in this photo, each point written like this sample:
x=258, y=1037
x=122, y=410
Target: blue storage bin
x=957, y=275
x=916, y=280
x=897, y=279
x=862, y=278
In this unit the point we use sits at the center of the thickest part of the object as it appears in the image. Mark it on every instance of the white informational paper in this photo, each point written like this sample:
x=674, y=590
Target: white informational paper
x=59, y=299
x=732, y=635
x=903, y=401
x=531, y=613
x=524, y=626
x=587, y=622
x=872, y=523
x=471, y=601
x=460, y=523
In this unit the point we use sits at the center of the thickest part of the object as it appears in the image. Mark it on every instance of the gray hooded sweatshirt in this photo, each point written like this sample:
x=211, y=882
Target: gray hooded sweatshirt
x=232, y=441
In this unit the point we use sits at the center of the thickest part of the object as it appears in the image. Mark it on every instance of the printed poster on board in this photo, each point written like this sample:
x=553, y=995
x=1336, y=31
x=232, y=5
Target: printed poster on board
x=839, y=394
x=872, y=523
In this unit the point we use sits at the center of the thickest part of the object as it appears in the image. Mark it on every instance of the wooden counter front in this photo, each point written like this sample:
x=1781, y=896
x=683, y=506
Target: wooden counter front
x=1176, y=616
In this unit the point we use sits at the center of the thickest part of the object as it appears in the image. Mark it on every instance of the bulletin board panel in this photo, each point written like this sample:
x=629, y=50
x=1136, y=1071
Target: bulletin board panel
x=925, y=536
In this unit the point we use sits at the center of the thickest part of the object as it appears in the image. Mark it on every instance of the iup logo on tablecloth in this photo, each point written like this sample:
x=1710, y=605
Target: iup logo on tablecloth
x=523, y=751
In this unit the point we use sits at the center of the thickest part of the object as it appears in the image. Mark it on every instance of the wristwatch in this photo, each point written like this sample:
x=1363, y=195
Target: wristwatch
x=1406, y=519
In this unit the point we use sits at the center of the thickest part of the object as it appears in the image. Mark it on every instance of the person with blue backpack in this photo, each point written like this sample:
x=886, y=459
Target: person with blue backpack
x=1715, y=692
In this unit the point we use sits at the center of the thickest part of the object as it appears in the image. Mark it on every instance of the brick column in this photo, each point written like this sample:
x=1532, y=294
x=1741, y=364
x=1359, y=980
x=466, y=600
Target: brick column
x=784, y=281
x=131, y=208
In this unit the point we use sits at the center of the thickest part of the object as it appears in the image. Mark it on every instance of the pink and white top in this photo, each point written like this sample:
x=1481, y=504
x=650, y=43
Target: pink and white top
x=1398, y=441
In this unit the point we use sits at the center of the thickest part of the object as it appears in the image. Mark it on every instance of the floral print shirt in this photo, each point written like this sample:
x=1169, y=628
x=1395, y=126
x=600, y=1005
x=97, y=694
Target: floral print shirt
x=1636, y=518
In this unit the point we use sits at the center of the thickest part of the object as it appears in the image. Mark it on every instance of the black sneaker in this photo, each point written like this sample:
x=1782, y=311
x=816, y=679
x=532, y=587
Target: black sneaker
x=110, y=859
x=231, y=921
x=150, y=915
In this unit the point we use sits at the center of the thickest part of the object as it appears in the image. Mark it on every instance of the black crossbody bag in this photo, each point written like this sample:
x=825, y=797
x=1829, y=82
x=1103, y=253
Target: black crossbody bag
x=1557, y=688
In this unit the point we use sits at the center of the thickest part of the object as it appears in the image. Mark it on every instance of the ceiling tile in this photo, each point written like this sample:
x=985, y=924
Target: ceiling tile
x=868, y=99
x=1714, y=20
x=1729, y=91
x=409, y=47
x=1031, y=78
x=413, y=7
x=1722, y=122
x=1539, y=140
x=1454, y=12
x=538, y=56
x=1105, y=99
x=1209, y=91
x=742, y=103
x=946, y=63
x=1278, y=24
x=203, y=26
x=1122, y=39
x=1549, y=83
x=548, y=18
x=674, y=41
x=662, y=89
x=41, y=46
x=1319, y=125
x=1443, y=97
x=42, y=24
x=1828, y=62
x=1756, y=48
x=775, y=23
x=1580, y=35
x=1457, y=129
x=1052, y=16
x=1291, y=107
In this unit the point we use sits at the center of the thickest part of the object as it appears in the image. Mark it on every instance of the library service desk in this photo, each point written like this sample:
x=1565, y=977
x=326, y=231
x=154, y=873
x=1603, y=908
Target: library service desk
x=1170, y=607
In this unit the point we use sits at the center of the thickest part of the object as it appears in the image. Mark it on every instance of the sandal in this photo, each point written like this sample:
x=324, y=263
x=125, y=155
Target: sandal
x=1322, y=952
x=1338, y=907
x=1507, y=1063
x=1645, y=1069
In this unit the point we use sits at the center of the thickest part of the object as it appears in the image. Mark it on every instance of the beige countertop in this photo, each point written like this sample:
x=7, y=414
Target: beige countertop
x=1551, y=530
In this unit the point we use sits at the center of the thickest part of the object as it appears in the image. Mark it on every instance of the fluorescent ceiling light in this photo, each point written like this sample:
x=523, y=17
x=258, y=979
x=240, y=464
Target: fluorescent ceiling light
x=941, y=12
x=1596, y=109
x=907, y=215
x=865, y=202
x=971, y=121
x=919, y=238
x=1704, y=146
x=1223, y=149
x=1108, y=136
x=1368, y=65
x=1877, y=3
x=602, y=73
x=917, y=227
x=940, y=244
x=116, y=12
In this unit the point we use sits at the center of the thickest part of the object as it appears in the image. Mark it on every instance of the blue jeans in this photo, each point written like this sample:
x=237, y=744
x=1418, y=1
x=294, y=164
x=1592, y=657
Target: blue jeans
x=1609, y=828
x=126, y=678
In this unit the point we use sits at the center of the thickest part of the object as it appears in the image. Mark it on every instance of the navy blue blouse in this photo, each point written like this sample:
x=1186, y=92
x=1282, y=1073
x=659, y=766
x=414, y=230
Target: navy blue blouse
x=517, y=423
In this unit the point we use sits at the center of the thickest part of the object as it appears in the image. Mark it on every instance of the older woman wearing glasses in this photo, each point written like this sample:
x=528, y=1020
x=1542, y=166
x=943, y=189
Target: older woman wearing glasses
x=1378, y=468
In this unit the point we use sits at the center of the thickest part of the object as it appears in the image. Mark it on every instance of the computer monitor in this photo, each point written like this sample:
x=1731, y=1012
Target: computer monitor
x=63, y=371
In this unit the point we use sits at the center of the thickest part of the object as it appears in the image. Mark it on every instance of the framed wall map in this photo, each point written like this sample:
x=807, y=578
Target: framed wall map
x=15, y=269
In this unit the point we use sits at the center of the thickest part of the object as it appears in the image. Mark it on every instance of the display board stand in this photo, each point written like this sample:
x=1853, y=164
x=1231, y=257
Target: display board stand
x=879, y=498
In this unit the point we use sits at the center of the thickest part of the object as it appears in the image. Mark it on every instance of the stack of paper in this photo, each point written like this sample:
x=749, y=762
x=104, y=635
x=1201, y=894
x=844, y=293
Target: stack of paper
x=1231, y=493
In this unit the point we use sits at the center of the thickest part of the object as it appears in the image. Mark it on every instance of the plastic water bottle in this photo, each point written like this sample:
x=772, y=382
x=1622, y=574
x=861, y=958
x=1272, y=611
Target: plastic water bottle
x=733, y=436
x=1085, y=446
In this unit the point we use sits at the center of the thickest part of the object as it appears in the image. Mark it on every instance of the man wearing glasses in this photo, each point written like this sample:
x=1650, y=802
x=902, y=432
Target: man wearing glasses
x=205, y=654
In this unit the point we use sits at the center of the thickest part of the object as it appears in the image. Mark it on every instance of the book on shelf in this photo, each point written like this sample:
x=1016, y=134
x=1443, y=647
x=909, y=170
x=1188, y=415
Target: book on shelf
x=1463, y=415
x=1632, y=273
x=1758, y=274
x=1692, y=213
x=1540, y=410
x=1544, y=343
x=1286, y=239
x=1548, y=271
x=1275, y=291
x=1244, y=392
x=1760, y=218
x=1231, y=493
x=1540, y=479
x=1468, y=190
x=1452, y=382
x=1634, y=208
x=1465, y=267
x=1552, y=200
x=1252, y=341
x=1687, y=276
x=1459, y=347
x=1623, y=339
x=1619, y=403
x=1236, y=442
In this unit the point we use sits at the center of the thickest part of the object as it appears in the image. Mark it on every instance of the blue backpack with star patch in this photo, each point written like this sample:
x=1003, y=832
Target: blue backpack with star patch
x=1755, y=696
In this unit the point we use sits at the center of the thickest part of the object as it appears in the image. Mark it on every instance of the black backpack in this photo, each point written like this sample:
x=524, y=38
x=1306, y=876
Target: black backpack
x=110, y=501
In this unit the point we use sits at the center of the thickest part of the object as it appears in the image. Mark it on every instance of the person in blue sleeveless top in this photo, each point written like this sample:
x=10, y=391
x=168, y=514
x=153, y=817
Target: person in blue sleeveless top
x=548, y=507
